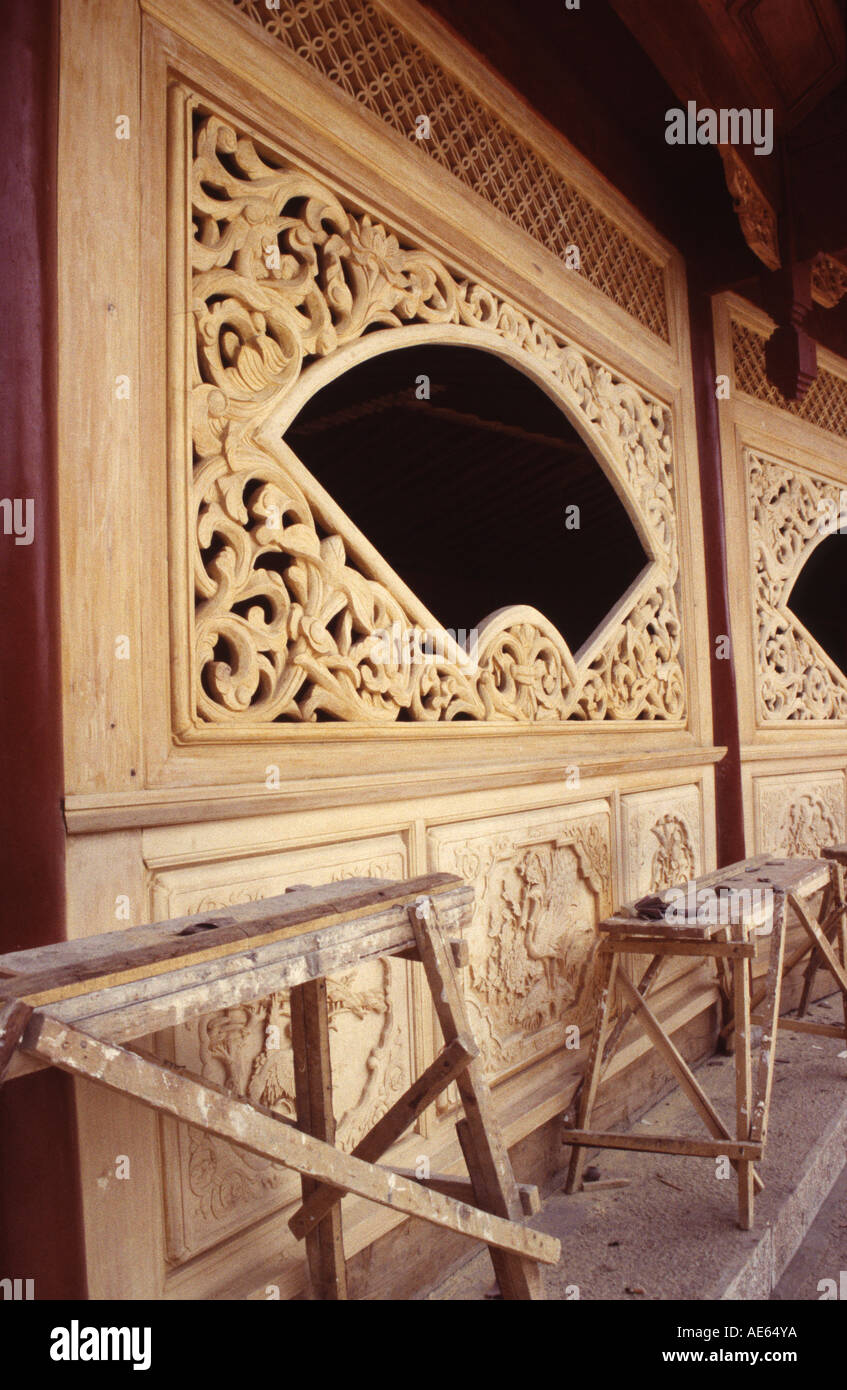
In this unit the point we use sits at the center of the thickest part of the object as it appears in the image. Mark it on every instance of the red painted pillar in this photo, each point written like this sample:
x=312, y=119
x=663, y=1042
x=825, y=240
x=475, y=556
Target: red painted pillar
x=40, y=1208
x=728, y=789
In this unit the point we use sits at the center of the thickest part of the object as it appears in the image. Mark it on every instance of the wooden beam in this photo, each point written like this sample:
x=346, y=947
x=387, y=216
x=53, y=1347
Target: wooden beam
x=461, y=1189
x=479, y=1133
x=733, y=1149
x=260, y=1131
x=313, y=1098
x=140, y=952
x=403, y=1113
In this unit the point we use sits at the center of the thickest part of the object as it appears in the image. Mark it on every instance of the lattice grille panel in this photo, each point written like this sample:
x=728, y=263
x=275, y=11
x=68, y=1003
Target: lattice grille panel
x=360, y=49
x=825, y=403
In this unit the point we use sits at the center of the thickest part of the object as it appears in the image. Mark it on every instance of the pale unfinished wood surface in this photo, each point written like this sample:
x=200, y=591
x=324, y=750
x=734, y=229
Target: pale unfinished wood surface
x=173, y=824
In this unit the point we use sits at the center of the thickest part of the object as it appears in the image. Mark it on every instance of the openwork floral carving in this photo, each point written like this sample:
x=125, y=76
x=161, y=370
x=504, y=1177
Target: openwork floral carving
x=796, y=680
x=287, y=627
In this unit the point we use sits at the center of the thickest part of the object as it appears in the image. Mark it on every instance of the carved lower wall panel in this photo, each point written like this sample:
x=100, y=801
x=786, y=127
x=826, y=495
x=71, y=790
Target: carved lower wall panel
x=662, y=844
x=662, y=835
x=542, y=881
x=214, y=1189
x=798, y=815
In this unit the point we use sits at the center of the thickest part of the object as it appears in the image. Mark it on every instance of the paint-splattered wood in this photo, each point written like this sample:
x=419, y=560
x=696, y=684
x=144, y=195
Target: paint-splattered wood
x=262, y=1132
x=392, y=1126
x=740, y=895
x=162, y=1001
x=140, y=953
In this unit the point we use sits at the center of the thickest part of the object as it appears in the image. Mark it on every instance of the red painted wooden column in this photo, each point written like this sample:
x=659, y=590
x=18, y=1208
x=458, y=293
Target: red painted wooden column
x=728, y=790
x=40, y=1208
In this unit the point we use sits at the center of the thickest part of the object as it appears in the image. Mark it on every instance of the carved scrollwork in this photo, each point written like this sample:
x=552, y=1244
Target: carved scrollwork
x=795, y=678
x=287, y=627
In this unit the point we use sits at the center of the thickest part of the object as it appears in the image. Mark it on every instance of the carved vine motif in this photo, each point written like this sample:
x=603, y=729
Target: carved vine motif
x=531, y=952
x=286, y=627
x=795, y=678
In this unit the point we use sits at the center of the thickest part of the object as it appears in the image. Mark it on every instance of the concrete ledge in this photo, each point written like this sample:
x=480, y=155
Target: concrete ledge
x=672, y=1232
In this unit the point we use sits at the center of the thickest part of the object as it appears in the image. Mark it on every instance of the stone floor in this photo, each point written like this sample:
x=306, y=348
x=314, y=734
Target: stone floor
x=672, y=1233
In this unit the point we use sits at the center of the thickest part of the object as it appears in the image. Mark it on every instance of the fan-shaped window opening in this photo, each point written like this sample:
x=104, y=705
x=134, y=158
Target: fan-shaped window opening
x=819, y=597
x=473, y=486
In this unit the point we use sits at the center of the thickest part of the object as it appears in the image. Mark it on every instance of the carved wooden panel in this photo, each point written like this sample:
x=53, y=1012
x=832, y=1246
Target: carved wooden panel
x=756, y=216
x=825, y=402
x=360, y=47
x=542, y=880
x=288, y=624
x=662, y=839
x=799, y=815
x=796, y=680
x=212, y=1188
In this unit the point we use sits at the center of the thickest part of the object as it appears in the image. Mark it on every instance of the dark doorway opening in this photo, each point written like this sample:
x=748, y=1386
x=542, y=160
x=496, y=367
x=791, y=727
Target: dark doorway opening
x=469, y=494
x=819, y=597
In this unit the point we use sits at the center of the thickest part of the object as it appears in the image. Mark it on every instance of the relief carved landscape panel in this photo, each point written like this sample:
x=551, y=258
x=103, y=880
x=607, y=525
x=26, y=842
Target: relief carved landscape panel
x=542, y=881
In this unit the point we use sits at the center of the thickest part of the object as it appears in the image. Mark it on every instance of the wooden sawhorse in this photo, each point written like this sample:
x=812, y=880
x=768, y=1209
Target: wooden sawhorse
x=729, y=915
x=71, y=1005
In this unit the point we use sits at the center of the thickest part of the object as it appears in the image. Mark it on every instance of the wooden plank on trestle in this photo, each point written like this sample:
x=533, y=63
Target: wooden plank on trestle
x=420, y=1095
x=742, y=893
x=149, y=1004
x=486, y=1156
x=123, y=957
x=313, y=1099
x=260, y=1131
